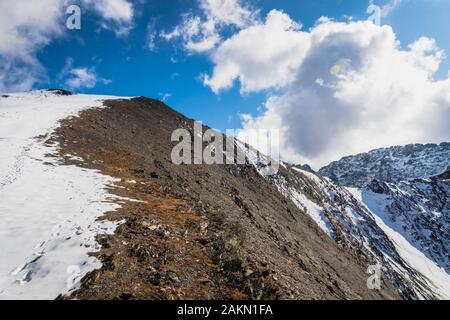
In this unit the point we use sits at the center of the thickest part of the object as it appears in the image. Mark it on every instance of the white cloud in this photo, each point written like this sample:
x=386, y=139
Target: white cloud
x=25, y=27
x=80, y=77
x=389, y=7
x=200, y=33
x=165, y=96
x=150, y=42
x=227, y=12
x=28, y=26
x=354, y=90
x=197, y=35
x=261, y=56
x=117, y=14
x=84, y=78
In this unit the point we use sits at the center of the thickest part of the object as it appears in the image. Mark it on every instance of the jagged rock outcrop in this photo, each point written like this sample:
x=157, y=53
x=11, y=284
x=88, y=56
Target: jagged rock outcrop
x=420, y=210
x=390, y=164
x=343, y=214
x=304, y=167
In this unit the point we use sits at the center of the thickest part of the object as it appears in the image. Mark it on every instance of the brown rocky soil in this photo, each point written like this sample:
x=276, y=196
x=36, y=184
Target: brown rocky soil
x=199, y=231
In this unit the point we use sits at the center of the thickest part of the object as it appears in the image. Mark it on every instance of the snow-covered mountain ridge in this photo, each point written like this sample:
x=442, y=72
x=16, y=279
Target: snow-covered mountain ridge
x=418, y=209
x=404, y=227
x=390, y=164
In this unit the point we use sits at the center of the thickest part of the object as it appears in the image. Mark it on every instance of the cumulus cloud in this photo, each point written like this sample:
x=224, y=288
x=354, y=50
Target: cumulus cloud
x=83, y=78
x=75, y=78
x=197, y=35
x=336, y=89
x=389, y=7
x=341, y=87
x=28, y=26
x=356, y=89
x=117, y=14
x=227, y=12
x=25, y=27
x=261, y=56
x=200, y=32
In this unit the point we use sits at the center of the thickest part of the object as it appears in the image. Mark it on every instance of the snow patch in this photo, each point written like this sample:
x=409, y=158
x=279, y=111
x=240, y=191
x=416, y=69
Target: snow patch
x=48, y=211
x=437, y=277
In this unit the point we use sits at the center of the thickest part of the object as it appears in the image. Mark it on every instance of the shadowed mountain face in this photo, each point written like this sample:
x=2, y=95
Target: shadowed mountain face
x=390, y=164
x=403, y=226
x=419, y=209
x=203, y=231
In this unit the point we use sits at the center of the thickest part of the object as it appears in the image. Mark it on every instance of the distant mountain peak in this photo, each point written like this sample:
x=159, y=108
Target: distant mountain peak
x=391, y=164
x=304, y=167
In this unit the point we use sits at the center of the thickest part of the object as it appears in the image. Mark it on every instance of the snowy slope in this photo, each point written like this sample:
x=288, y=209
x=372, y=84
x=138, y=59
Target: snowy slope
x=390, y=164
x=419, y=210
x=415, y=253
x=48, y=211
x=359, y=226
x=355, y=227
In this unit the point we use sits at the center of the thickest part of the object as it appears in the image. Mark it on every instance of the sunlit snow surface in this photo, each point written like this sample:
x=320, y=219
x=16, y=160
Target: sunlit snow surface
x=48, y=211
x=437, y=276
x=365, y=226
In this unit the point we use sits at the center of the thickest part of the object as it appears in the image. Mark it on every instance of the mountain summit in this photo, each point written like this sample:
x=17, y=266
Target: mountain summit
x=392, y=164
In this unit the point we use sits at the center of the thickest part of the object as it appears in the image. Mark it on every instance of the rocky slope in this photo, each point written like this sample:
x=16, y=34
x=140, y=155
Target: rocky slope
x=418, y=209
x=350, y=219
x=390, y=164
x=200, y=231
x=290, y=234
x=236, y=231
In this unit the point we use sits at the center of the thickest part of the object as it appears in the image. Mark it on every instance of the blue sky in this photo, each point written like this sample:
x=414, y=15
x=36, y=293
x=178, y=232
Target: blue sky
x=125, y=64
x=135, y=70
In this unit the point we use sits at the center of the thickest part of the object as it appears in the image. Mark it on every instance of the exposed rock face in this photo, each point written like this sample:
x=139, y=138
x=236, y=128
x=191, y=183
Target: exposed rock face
x=352, y=217
x=390, y=164
x=209, y=231
x=304, y=167
x=415, y=259
x=419, y=209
